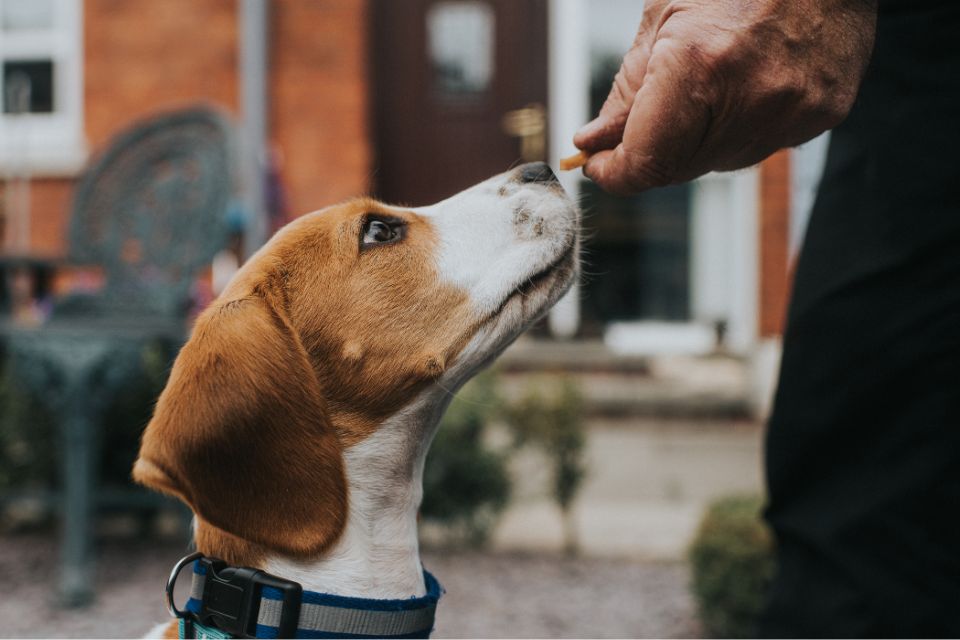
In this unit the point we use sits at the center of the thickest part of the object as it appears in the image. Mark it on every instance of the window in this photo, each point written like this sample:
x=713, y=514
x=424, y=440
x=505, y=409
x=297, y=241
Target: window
x=460, y=38
x=41, y=120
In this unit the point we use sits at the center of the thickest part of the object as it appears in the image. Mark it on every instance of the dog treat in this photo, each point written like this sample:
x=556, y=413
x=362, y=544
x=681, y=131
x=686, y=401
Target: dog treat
x=573, y=162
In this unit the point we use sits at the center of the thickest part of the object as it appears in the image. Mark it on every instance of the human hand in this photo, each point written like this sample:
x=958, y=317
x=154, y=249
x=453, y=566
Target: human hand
x=721, y=84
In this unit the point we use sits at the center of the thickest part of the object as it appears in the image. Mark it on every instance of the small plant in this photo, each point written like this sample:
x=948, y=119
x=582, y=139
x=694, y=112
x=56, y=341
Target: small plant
x=465, y=483
x=551, y=417
x=732, y=563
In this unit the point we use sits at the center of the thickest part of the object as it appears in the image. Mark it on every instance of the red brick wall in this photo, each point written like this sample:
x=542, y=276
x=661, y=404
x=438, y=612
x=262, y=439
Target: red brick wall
x=319, y=99
x=50, y=204
x=145, y=56
x=774, y=243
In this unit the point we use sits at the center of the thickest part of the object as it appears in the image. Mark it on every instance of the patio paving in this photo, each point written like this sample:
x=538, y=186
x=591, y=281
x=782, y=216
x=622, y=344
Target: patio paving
x=490, y=595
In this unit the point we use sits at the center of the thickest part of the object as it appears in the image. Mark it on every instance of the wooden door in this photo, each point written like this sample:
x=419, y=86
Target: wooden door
x=449, y=77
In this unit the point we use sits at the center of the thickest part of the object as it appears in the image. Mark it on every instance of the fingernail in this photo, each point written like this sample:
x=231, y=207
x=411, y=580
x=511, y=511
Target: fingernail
x=590, y=129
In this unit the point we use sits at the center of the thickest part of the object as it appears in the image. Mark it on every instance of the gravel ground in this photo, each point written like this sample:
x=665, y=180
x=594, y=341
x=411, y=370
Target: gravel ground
x=488, y=595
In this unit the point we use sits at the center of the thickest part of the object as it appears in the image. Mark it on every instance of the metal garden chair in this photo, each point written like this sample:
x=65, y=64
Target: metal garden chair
x=150, y=212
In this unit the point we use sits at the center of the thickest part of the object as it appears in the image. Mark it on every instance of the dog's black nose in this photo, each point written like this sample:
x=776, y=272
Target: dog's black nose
x=536, y=172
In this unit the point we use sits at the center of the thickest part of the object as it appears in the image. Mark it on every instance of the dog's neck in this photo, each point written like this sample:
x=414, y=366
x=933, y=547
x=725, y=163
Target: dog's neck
x=377, y=555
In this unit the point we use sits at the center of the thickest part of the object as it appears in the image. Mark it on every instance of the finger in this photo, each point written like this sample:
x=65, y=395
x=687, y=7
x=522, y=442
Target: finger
x=666, y=127
x=603, y=132
x=606, y=130
x=600, y=168
x=623, y=173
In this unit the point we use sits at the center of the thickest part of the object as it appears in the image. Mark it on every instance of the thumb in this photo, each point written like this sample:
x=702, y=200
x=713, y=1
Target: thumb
x=603, y=132
x=662, y=134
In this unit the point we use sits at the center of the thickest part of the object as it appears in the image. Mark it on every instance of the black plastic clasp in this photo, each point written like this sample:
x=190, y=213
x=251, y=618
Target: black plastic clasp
x=231, y=599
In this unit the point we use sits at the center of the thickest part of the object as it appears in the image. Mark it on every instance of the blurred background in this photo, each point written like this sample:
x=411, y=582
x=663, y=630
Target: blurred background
x=613, y=456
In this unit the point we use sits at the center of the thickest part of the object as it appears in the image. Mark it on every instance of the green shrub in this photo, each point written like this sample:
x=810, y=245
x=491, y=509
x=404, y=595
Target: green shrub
x=732, y=563
x=550, y=416
x=465, y=483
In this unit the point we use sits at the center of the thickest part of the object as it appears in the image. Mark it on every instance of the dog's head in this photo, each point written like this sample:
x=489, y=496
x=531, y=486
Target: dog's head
x=344, y=318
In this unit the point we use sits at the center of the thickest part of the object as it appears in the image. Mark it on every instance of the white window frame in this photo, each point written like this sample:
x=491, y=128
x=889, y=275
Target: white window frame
x=724, y=261
x=48, y=144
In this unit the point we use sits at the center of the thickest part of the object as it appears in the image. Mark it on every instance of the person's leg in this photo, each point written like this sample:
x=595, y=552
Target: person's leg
x=863, y=463
x=863, y=447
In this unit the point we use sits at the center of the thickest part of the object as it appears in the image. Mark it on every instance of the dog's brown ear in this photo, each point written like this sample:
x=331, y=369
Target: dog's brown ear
x=240, y=432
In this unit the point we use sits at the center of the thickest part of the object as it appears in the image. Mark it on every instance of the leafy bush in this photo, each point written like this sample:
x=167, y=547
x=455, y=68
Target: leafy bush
x=733, y=564
x=550, y=416
x=30, y=439
x=465, y=483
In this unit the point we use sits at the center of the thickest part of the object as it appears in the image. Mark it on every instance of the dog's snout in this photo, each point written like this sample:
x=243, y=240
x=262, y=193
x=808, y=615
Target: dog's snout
x=536, y=172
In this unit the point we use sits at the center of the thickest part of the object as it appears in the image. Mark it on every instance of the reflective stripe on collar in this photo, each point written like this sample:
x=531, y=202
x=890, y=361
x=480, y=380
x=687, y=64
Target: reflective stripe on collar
x=329, y=616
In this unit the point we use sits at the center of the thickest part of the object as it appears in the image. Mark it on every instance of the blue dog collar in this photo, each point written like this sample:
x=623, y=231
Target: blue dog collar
x=216, y=608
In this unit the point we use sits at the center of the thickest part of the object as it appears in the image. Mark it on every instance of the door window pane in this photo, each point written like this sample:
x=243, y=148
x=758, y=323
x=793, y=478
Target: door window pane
x=639, y=244
x=16, y=15
x=639, y=247
x=460, y=45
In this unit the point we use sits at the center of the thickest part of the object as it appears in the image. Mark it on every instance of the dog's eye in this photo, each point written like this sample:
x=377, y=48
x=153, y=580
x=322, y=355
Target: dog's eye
x=377, y=231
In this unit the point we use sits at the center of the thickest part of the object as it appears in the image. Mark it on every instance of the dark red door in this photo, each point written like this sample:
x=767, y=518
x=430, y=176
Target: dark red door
x=459, y=88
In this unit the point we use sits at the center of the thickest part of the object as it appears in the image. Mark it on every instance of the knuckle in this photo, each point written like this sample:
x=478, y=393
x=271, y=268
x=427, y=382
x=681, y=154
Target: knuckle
x=621, y=94
x=714, y=55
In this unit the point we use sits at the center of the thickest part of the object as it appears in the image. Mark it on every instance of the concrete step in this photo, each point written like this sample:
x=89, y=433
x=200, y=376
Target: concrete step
x=647, y=486
x=537, y=355
x=648, y=483
x=617, y=386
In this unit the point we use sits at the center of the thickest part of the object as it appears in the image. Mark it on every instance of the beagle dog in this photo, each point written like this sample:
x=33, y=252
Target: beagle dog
x=297, y=417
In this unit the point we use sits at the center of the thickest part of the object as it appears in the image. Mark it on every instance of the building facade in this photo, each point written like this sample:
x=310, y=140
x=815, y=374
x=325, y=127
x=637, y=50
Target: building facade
x=406, y=99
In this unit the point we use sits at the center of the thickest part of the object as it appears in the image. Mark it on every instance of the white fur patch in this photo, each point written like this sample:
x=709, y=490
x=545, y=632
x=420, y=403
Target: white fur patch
x=378, y=554
x=499, y=233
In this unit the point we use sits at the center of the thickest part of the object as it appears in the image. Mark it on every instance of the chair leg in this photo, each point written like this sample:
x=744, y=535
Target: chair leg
x=76, y=578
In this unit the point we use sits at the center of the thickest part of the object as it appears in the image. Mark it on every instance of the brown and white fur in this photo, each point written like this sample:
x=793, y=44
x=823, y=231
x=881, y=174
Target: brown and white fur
x=297, y=418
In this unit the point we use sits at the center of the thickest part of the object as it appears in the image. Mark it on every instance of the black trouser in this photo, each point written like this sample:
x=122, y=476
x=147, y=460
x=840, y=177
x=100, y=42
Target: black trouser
x=863, y=447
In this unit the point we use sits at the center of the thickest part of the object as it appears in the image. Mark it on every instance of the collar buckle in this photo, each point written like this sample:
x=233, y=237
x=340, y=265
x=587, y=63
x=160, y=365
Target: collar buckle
x=232, y=595
x=231, y=599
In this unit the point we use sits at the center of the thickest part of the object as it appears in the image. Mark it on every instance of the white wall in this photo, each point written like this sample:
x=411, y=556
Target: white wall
x=567, y=111
x=724, y=259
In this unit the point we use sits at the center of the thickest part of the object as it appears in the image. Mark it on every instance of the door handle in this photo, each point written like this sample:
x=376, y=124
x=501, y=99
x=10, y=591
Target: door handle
x=530, y=125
